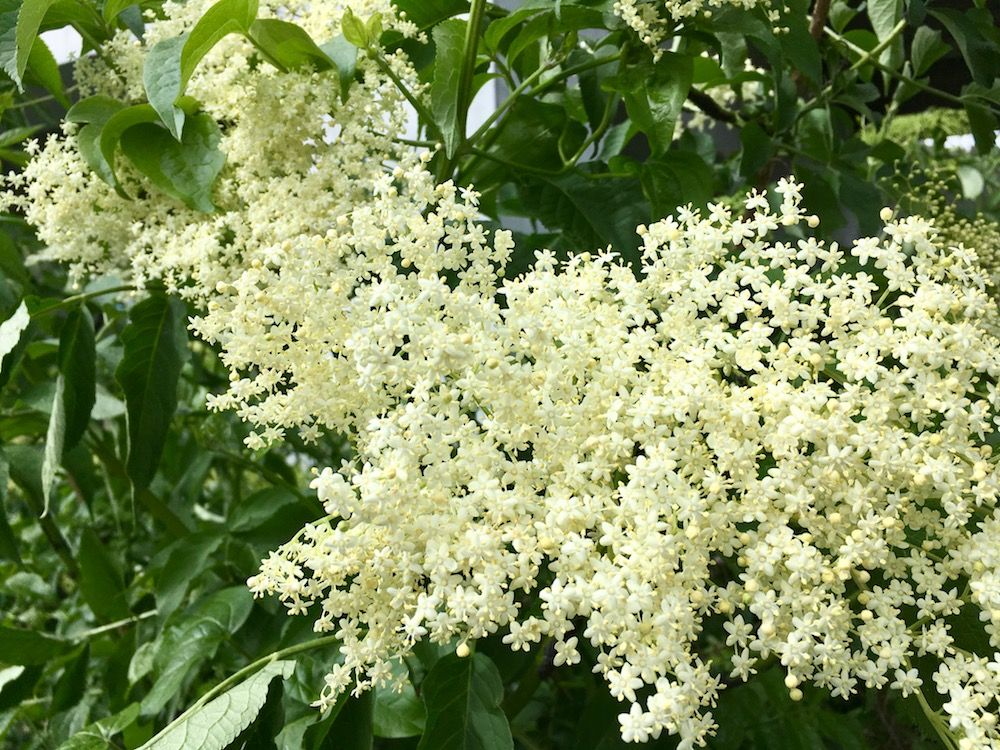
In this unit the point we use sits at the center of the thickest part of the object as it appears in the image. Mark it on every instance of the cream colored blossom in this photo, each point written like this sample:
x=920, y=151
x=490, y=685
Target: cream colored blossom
x=760, y=430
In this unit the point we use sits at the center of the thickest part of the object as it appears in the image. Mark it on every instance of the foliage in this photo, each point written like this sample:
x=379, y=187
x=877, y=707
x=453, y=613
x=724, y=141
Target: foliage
x=132, y=515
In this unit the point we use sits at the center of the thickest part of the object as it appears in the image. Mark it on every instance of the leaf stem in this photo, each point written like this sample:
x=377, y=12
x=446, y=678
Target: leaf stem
x=872, y=57
x=70, y=301
x=256, y=666
x=469, y=53
x=424, y=113
x=93, y=632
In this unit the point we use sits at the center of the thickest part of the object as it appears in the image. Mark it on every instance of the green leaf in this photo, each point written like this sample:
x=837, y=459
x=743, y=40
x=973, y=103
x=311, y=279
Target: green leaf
x=101, y=580
x=345, y=57
x=287, y=46
x=593, y=213
x=171, y=62
x=98, y=736
x=799, y=47
x=94, y=109
x=427, y=13
x=978, y=39
x=654, y=96
x=449, y=41
x=983, y=124
x=42, y=66
x=926, y=49
x=184, y=170
x=884, y=15
x=194, y=641
x=54, y=439
x=112, y=8
x=78, y=367
x=757, y=149
x=155, y=347
x=397, y=715
x=216, y=724
x=463, y=697
x=676, y=179
x=161, y=77
x=186, y=559
x=8, y=540
x=19, y=25
x=29, y=647
x=72, y=684
x=10, y=332
x=354, y=30
x=108, y=136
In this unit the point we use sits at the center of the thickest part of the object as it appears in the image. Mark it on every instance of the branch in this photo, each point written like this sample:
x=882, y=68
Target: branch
x=710, y=107
x=820, y=12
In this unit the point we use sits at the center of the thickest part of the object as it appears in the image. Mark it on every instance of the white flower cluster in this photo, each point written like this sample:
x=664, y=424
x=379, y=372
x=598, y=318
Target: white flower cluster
x=760, y=435
x=654, y=20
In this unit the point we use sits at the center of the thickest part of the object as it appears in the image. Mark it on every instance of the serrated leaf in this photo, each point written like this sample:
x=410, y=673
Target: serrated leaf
x=216, y=724
x=462, y=697
x=42, y=66
x=171, y=62
x=28, y=647
x=594, y=213
x=155, y=347
x=287, y=46
x=98, y=736
x=20, y=21
x=449, y=41
x=11, y=330
x=184, y=170
x=54, y=439
x=654, y=96
x=78, y=366
x=101, y=580
x=194, y=641
x=676, y=179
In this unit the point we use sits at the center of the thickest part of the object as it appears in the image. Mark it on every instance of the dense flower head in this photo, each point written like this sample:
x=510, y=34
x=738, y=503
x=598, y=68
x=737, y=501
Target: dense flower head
x=759, y=433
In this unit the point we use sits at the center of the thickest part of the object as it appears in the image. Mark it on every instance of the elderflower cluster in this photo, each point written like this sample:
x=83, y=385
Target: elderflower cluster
x=761, y=437
x=654, y=20
x=936, y=196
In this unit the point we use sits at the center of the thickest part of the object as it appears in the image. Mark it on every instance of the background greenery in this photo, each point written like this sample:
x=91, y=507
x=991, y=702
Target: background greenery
x=131, y=516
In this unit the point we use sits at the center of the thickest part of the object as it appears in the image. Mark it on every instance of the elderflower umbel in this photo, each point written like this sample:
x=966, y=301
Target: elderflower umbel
x=761, y=430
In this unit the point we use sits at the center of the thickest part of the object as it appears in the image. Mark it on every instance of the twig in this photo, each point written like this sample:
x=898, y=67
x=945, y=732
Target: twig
x=710, y=107
x=820, y=12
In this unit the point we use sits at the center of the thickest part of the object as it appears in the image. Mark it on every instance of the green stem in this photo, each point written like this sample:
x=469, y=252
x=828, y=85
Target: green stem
x=942, y=731
x=508, y=103
x=870, y=57
x=572, y=71
x=424, y=113
x=70, y=301
x=94, y=632
x=256, y=666
x=469, y=52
